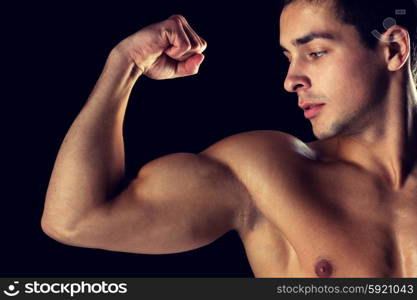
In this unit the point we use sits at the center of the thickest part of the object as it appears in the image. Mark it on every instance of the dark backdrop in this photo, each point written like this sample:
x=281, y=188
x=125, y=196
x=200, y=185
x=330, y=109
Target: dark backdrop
x=52, y=56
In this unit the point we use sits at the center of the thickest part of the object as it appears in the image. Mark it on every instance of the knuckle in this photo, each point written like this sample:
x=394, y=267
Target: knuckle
x=168, y=25
x=173, y=20
x=182, y=19
x=177, y=17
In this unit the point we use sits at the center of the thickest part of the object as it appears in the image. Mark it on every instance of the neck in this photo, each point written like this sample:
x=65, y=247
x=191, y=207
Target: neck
x=388, y=147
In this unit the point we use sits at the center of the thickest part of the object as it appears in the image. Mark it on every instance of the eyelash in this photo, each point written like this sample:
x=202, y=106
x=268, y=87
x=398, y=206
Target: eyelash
x=314, y=54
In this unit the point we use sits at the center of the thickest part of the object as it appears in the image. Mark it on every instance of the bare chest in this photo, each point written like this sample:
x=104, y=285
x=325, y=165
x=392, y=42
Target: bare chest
x=333, y=227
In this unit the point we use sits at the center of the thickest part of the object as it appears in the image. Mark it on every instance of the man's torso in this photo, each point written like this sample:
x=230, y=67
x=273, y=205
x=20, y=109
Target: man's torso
x=318, y=217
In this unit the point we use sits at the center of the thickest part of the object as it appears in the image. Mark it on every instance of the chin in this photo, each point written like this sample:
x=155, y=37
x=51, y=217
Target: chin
x=323, y=136
x=325, y=131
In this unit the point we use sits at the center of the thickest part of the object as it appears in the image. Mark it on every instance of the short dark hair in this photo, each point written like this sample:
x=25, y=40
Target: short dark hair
x=370, y=15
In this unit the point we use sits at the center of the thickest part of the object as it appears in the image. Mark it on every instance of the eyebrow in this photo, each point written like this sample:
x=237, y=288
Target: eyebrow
x=310, y=37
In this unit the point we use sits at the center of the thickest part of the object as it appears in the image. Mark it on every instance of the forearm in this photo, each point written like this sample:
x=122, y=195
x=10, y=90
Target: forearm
x=90, y=162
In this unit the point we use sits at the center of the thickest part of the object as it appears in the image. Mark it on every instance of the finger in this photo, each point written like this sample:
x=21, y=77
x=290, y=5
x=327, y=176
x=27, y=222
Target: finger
x=190, y=66
x=178, y=39
x=197, y=43
x=192, y=36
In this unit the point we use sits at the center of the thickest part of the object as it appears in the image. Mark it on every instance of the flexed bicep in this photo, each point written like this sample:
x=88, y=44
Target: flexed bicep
x=177, y=203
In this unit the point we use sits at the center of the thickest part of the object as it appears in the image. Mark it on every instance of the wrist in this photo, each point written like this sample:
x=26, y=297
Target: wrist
x=117, y=78
x=120, y=58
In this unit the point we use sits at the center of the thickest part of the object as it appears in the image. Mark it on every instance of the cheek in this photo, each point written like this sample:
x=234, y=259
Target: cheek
x=352, y=81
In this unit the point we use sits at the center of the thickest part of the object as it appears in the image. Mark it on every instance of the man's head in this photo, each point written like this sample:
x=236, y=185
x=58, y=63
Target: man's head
x=348, y=54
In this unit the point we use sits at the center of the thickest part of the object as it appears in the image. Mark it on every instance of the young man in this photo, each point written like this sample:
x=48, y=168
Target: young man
x=343, y=206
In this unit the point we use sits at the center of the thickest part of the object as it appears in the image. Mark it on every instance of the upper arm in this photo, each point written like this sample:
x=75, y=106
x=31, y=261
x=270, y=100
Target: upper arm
x=176, y=203
x=184, y=201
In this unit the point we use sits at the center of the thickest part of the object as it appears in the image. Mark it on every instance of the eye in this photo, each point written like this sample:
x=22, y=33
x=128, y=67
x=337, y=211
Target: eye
x=317, y=54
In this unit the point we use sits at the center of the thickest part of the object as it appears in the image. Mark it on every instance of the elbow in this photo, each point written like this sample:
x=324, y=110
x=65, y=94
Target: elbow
x=53, y=232
x=56, y=232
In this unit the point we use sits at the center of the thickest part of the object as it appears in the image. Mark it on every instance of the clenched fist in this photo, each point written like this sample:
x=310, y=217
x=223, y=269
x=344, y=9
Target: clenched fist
x=165, y=50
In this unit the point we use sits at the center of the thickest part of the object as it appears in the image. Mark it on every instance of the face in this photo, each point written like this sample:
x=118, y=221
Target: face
x=329, y=65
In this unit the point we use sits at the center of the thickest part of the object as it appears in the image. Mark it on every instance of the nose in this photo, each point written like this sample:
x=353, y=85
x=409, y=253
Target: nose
x=296, y=80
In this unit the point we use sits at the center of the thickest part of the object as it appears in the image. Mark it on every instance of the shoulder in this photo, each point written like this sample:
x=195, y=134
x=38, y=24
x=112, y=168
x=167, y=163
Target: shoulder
x=251, y=141
x=256, y=148
x=262, y=161
x=242, y=149
x=252, y=147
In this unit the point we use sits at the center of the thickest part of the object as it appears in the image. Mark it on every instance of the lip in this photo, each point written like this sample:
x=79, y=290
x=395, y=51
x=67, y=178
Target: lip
x=313, y=111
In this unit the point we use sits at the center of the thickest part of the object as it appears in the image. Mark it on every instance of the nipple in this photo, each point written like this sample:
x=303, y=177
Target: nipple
x=324, y=268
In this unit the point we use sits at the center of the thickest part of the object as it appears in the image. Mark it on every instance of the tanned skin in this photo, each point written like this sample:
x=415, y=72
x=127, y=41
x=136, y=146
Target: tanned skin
x=342, y=206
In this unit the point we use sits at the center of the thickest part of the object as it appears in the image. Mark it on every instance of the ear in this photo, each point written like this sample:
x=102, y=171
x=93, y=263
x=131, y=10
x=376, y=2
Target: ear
x=396, y=43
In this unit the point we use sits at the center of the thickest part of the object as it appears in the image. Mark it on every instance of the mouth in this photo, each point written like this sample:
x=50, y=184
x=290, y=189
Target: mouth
x=311, y=111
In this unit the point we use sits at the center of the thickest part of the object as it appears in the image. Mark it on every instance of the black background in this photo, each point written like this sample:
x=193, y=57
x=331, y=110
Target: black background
x=52, y=55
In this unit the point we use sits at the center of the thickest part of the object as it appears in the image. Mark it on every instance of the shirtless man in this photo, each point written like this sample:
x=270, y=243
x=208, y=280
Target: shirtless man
x=342, y=206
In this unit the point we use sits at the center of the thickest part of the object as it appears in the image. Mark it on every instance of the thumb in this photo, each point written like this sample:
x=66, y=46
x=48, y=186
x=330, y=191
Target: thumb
x=190, y=66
